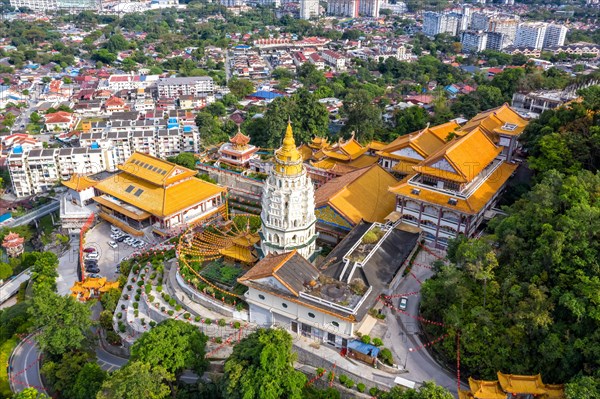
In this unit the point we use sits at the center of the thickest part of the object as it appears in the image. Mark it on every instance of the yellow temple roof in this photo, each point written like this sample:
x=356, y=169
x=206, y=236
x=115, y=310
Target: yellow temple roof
x=376, y=145
x=555, y=391
x=345, y=150
x=318, y=142
x=360, y=195
x=464, y=394
x=500, y=120
x=522, y=384
x=158, y=194
x=486, y=389
x=288, y=160
x=466, y=156
x=306, y=152
x=243, y=254
x=473, y=204
x=79, y=182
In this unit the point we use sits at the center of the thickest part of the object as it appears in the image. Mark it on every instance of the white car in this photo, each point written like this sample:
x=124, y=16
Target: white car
x=92, y=255
x=129, y=241
x=115, y=229
x=112, y=244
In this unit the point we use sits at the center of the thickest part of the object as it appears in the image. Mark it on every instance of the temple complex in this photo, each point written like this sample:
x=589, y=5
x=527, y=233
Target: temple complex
x=238, y=151
x=92, y=288
x=149, y=193
x=344, y=201
x=288, y=204
x=510, y=386
x=13, y=244
x=453, y=175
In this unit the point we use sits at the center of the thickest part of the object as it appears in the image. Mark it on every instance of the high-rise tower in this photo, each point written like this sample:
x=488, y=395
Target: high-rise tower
x=288, y=204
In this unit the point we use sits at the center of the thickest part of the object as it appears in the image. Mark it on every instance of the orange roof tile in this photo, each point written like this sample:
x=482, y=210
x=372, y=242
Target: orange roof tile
x=522, y=384
x=486, y=389
x=79, y=182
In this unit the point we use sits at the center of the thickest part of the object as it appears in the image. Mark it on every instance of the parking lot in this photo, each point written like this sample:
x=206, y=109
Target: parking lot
x=108, y=258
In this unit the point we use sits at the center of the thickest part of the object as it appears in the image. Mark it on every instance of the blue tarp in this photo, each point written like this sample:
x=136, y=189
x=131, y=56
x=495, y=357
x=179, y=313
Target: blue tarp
x=17, y=149
x=172, y=126
x=187, y=129
x=266, y=95
x=365, y=349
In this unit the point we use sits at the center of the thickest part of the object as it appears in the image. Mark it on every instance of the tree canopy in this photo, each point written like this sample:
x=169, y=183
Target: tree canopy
x=137, y=380
x=173, y=345
x=261, y=367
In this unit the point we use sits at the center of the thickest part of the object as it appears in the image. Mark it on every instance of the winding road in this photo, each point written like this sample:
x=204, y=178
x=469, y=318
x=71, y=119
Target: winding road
x=24, y=366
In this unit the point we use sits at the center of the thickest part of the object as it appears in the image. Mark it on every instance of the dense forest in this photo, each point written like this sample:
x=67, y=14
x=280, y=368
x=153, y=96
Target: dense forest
x=525, y=299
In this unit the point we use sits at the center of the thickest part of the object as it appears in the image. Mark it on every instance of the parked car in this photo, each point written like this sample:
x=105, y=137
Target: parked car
x=92, y=255
x=112, y=244
x=403, y=303
x=94, y=275
x=93, y=270
x=89, y=250
x=122, y=238
x=115, y=229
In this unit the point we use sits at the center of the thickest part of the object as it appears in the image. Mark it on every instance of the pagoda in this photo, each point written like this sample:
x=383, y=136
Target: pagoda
x=238, y=151
x=288, y=204
x=13, y=244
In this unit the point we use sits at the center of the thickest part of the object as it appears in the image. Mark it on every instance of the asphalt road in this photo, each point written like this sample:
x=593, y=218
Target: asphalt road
x=402, y=337
x=11, y=287
x=24, y=369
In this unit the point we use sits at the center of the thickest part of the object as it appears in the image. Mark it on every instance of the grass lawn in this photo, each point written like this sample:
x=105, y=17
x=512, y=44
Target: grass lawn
x=33, y=128
x=46, y=224
x=5, y=350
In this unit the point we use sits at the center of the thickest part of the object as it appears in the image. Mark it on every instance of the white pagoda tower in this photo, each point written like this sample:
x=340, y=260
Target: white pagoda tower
x=288, y=204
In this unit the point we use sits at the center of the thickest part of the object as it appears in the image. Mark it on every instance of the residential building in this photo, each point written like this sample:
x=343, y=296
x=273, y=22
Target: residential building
x=536, y=102
x=130, y=81
x=531, y=35
x=342, y=8
x=343, y=202
x=480, y=21
x=334, y=59
x=399, y=7
x=232, y=3
x=53, y=5
x=451, y=187
x=507, y=24
x=60, y=121
x=496, y=41
x=309, y=9
x=435, y=23
x=473, y=42
x=149, y=194
x=369, y=8
x=175, y=87
x=288, y=204
x=555, y=35
x=329, y=304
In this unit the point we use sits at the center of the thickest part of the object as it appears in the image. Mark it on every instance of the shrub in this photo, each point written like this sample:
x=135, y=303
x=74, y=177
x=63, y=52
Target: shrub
x=119, y=315
x=386, y=356
x=207, y=321
x=136, y=305
x=113, y=338
x=373, y=391
x=162, y=308
x=143, y=321
x=129, y=287
x=187, y=316
x=370, y=238
x=133, y=279
x=138, y=291
x=159, y=288
x=153, y=275
x=222, y=323
x=377, y=341
x=197, y=319
x=360, y=387
x=172, y=302
x=148, y=288
x=170, y=312
x=126, y=297
x=218, y=340
x=152, y=323
x=343, y=379
x=142, y=276
x=151, y=298
x=140, y=283
x=349, y=383
x=236, y=324
x=136, y=313
x=330, y=376
x=122, y=328
x=365, y=339
x=178, y=307
x=123, y=306
x=160, y=280
x=320, y=371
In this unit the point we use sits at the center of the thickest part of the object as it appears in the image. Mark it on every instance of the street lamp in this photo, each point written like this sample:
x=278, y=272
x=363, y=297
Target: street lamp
x=406, y=357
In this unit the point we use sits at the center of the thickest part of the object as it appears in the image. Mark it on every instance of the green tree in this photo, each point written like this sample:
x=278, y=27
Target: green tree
x=35, y=117
x=63, y=321
x=44, y=269
x=62, y=373
x=88, y=382
x=173, y=345
x=241, y=87
x=428, y=390
x=410, y=120
x=261, y=367
x=216, y=109
x=185, y=159
x=364, y=118
x=116, y=43
x=137, y=380
x=30, y=393
x=583, y=388
x=5, y=271
x=310, y=76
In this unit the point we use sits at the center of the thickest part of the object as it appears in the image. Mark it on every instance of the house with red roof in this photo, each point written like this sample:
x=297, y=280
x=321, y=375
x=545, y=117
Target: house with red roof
x=60, y=121
x=115, y=104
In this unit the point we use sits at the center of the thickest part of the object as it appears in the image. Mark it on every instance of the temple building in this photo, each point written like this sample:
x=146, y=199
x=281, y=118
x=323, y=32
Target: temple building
x=13, y=244
x=92, y=288
x=238, y=151
x=326, y=161
x=330, y=303
x=76, y=204
x=341, y=203
x=288, y=204
x=160, y=196
x=454, y=175
x=510, y=386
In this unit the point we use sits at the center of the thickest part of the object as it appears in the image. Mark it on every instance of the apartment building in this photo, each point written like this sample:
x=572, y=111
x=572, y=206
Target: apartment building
x=369, y=8
x=531, y=35
x=342, y=8
x=334, y=59
x=38, y=170
x=130, y=82
x=555, y=35
x=175, y=87
x=309, y=9
x=435, y=23
x=496, y=41
x=474, y=41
